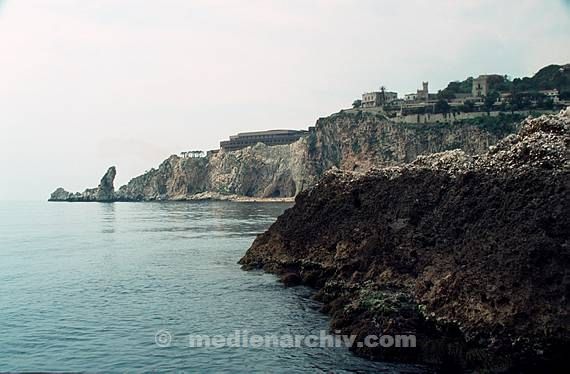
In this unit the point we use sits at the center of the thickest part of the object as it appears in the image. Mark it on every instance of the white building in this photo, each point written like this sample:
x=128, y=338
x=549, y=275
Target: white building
x=552, y=94
x=411, y=97
x=376, y=99
x=422, y=94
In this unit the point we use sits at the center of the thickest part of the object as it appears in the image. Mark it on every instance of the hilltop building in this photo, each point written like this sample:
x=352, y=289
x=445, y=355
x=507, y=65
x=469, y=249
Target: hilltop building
x=379, y=98
x=270, y=137
x=193, y=154
x=552, y=94
x=423, y=94
x=480, y=86
x=411, y=97
x=541, y=91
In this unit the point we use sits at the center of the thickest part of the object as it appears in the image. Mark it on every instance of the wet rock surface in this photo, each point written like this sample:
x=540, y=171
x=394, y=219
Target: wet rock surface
x=469, y=253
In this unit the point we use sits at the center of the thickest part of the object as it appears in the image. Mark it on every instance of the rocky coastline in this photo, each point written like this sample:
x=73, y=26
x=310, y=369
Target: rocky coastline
x=354, y=141
x=469, y=253
x=92, y=195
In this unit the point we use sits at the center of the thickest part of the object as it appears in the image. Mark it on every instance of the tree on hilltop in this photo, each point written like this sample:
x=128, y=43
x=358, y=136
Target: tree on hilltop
x=490, y=100
x=442, y=106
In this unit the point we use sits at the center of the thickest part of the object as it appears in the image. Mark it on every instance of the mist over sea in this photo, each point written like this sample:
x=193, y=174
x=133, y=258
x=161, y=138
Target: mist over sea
x=87, y=286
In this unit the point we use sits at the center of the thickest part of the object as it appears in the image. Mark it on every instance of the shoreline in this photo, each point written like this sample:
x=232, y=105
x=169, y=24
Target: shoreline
x=213, y=196
x=206, y=196
x=449, y=248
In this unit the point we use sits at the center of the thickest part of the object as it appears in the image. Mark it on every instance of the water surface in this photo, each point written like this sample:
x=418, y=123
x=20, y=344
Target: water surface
x=86, y=286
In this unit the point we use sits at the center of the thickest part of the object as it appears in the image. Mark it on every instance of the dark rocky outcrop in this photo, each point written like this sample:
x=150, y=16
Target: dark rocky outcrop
x=105, y=192
x=106, y=188
x=469, y=253
x=346, y=140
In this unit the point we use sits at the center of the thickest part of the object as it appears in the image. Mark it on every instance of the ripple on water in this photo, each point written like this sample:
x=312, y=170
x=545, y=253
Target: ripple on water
x=85, y=287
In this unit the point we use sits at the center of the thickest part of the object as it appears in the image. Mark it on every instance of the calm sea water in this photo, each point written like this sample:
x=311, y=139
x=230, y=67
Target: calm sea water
x=87, y=286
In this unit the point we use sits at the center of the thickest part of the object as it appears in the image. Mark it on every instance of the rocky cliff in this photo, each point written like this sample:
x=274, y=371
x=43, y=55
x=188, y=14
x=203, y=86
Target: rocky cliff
x=469, y=253
x=358, y=140
x=105, y=192
x=259, y=171
x=349, y=141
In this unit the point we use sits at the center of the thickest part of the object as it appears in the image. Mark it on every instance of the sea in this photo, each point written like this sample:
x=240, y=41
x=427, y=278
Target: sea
x=116, y=287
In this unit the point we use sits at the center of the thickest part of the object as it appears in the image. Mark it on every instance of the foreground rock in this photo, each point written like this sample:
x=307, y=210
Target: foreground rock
x=470, y=254
x=348, y=141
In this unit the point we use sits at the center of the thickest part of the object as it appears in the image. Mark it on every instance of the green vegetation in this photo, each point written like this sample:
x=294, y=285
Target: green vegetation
x=500, y=125
x=490, y=100
x=456, y=87
x=499, y=83
x=521, y=101
x=518, y=93
x=442, y=106
x=468, y=106
x=548, y=78
x=384, y=302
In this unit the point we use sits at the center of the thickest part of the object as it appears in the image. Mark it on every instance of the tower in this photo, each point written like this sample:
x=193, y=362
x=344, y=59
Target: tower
x=480, y=86
x=423, y=94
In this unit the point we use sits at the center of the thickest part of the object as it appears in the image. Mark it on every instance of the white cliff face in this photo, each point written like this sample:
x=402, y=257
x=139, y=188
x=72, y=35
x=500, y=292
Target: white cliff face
x=354, y=141
x=263, y=171
x=259, y=171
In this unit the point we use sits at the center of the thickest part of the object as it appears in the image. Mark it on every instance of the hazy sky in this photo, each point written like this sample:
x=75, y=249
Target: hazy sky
x=89, y=84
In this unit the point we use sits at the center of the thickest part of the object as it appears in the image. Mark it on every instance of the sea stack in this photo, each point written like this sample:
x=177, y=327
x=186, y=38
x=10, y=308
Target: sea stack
x=106, y=189
x=105, y=192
